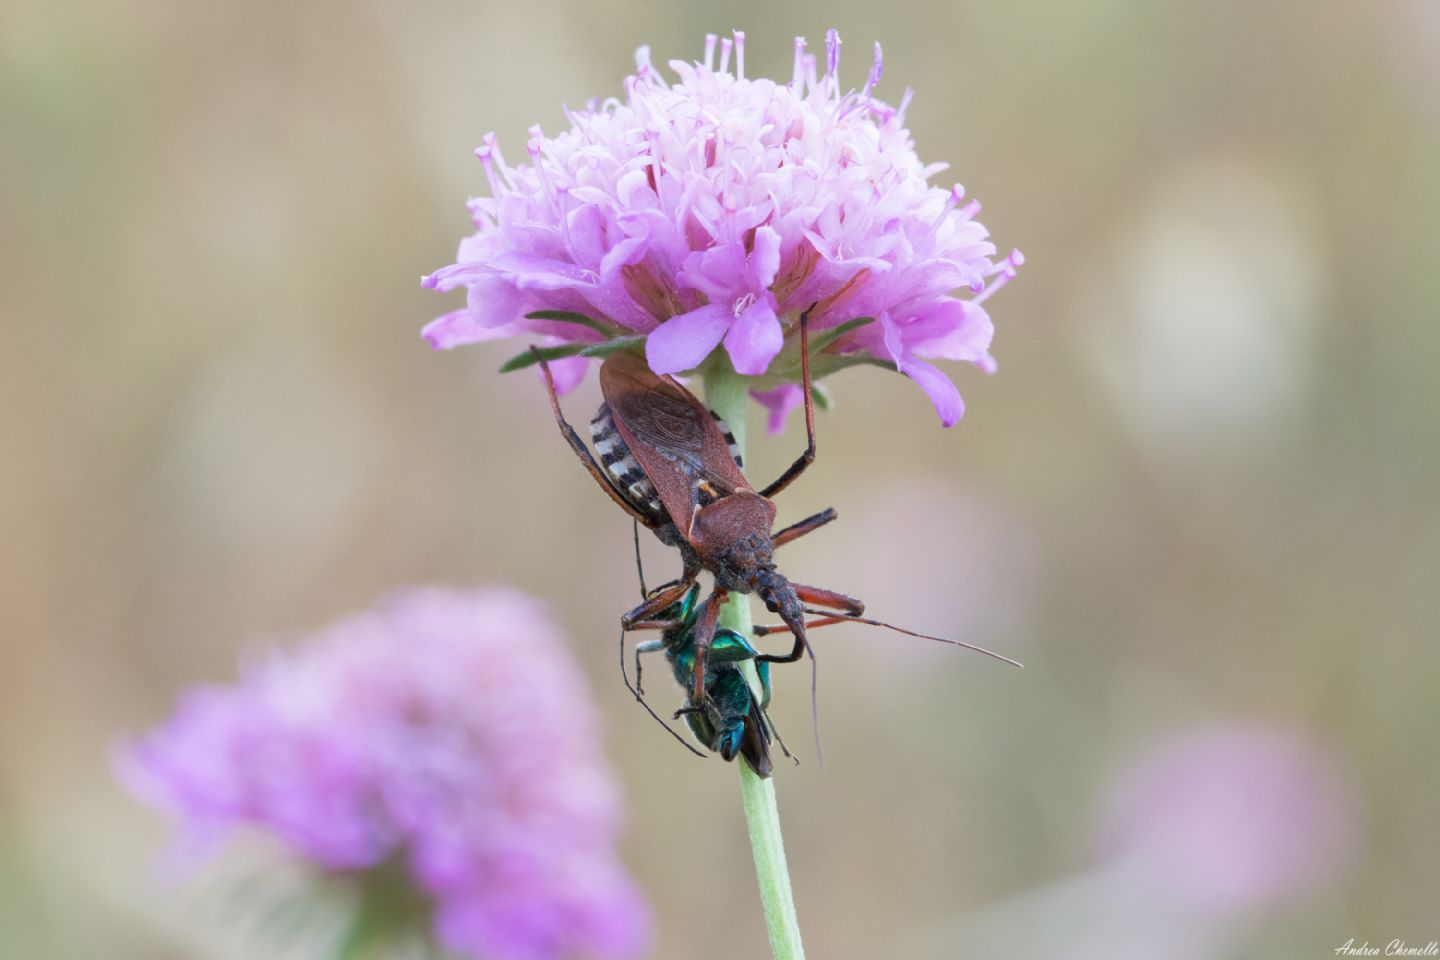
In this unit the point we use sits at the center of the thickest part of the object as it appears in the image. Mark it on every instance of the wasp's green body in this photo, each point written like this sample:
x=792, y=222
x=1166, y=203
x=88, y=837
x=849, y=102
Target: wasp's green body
x=732, y=719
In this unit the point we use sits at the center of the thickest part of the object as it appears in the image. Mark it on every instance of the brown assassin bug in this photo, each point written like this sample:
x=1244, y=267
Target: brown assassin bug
x=670, y=463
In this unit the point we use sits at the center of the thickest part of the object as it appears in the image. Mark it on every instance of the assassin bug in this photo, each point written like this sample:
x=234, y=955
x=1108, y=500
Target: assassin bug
x=669, y=465
x=731, y=719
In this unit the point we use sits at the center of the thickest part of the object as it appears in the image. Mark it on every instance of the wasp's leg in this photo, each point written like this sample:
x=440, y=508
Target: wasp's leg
x=649, y=646
x=641, y=700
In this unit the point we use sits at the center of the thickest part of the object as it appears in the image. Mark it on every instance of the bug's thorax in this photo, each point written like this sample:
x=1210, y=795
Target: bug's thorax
x=732, y=538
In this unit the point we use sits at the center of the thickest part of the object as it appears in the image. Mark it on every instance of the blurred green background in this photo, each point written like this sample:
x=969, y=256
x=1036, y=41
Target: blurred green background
x=1202, y=488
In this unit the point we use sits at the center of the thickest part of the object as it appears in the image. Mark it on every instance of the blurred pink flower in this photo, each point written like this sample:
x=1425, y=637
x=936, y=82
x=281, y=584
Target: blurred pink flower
x=448, y=730
x=713, y=211
x=1230, y=818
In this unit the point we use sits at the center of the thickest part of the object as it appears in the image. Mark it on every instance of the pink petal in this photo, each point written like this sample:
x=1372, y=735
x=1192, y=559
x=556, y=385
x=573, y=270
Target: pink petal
x=682, y=342
x=765, y=257
x=495, y=302
x=754, y=339
x=939, y=389
x=528, y=271
x=625, y=252
x=779, y=402
x=891, y=346
x=956, y=330
x=459, y=327
x=586, y=235
x=718, y=272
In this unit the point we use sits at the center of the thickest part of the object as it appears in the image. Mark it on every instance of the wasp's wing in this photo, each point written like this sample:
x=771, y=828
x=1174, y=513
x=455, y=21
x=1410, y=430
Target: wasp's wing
x=672, y=436
x=756, y=745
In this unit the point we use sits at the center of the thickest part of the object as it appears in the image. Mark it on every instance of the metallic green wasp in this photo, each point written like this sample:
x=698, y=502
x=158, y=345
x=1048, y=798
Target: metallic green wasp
x=730, y=719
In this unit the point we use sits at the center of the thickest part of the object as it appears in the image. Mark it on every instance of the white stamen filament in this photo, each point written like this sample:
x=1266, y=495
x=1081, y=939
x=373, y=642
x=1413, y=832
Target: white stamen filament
x=957, y=193
x=494, y=144
x=1006, y=273
x=904, y=105
x=564, y=212
x=537, y=161
x=484, y=154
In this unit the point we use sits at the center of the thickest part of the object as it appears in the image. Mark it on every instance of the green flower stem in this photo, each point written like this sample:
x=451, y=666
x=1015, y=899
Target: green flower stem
x=727, y=393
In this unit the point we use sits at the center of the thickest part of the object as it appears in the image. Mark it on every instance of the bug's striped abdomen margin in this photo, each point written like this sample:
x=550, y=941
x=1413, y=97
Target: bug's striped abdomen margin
x=629, y=478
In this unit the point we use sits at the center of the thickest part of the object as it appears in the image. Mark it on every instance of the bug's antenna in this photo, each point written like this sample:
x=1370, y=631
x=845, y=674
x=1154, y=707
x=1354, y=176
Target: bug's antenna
x=642, y=701
x=815, y=705
x=848, y=618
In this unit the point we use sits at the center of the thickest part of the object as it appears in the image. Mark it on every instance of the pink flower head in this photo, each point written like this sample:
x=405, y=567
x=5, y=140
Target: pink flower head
x=448, y=731
x=711, y=212
x=1228, y=819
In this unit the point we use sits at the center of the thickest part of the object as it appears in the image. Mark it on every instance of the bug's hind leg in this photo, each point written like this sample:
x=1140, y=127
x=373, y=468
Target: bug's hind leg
x=582, y=452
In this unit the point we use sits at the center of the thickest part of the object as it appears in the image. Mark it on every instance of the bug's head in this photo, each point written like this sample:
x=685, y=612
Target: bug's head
x=779, y=598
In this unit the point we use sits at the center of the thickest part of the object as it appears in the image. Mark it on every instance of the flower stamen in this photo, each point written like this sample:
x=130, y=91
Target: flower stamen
x=876, y=70
x=1006, y=272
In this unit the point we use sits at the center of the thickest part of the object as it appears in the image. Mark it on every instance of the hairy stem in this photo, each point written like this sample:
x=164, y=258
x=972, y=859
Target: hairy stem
x=727, y=393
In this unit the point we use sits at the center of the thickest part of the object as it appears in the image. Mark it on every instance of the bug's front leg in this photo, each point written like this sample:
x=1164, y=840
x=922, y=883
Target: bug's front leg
x=820, y=597
x=765, y=629
x=635, y=618
x=704, y=634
